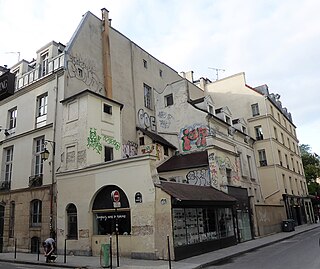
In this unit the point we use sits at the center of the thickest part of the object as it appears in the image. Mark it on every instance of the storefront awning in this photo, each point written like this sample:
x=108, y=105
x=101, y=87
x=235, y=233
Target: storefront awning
x=191, y=194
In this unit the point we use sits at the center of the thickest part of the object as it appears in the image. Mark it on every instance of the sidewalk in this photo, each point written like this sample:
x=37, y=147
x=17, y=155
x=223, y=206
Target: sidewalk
x=189, y=263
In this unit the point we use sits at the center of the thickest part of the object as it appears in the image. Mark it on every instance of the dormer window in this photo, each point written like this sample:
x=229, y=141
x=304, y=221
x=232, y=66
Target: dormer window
x=228, y=120
x=211, y=110
x=44, y=63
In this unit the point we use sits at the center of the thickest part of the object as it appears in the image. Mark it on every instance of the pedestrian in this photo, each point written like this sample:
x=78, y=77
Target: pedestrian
x=49, y=246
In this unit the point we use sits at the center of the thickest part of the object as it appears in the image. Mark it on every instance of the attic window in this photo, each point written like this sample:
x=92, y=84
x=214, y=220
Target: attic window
x=210, y=108
x=228, y=120
x=107, y=109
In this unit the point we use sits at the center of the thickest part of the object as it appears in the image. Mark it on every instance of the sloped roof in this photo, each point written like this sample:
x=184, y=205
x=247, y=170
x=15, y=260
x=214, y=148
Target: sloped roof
x=157, y=138
x=187, y=192
x=185, y=161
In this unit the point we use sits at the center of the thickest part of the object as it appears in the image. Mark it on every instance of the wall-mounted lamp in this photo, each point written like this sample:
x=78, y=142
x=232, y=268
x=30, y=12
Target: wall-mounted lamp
x=45, y=154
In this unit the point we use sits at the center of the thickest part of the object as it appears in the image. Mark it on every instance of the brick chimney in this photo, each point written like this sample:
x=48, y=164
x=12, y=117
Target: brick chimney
x=106, y=60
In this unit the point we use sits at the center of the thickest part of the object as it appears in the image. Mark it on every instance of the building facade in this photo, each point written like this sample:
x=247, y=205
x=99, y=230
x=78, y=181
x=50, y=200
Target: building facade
x=276, y=148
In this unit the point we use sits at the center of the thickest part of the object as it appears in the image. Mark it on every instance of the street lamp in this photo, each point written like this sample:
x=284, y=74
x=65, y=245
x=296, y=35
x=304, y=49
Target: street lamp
x=44, y=156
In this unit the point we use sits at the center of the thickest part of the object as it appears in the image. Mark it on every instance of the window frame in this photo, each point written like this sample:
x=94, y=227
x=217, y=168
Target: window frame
x=262, y=157
x=39, y=146
x=255, y=109
x=8, y=163
x=72, y=222
x=168, y=100
x=108, y=154
x=147, y=93
x=35, y=213
x=12, y=115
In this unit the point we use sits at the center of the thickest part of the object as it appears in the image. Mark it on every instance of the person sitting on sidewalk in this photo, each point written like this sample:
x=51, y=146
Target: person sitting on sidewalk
x=49, y=247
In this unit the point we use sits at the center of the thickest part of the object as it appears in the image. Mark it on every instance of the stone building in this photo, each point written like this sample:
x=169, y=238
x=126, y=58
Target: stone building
x=277, y=153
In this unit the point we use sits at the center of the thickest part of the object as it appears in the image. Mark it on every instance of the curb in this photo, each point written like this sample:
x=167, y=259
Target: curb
x=214, y=262
x=40, y=263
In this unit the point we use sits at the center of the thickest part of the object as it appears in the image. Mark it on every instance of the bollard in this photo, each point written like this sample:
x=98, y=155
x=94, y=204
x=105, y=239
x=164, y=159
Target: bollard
x=110, y=251
x=65, y=251
x=38, y=248
x=15, y=248
x=169, y=256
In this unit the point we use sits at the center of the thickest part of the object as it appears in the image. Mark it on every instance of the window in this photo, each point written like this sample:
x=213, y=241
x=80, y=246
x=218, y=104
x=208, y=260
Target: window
x=107, y=109
x=284, y=183
x=288, y=142
x=293, y=168
x=44, y=63
x=168, y=100
x=11, y=219
x=141, y=141
x=147, y=96
x=244, y=129
x=228, y=172
x=279, y=119
x=210, y=108
x=255, y=109
x=291, y=185
x=280, y=157
x=72, y=222
x=228, y=120
x=145, y=63
x=286, y=157
x=249, y=165
x=38, y=162
x=282, y=138
x=13, y=118
x=8, y=164
x=275, y=133
x=36, y=212
x=165, y=150
x=108, y=154
x=271, y=109
x=262, y=157
x=160, y=73
x=42, y=103
x=258, y=131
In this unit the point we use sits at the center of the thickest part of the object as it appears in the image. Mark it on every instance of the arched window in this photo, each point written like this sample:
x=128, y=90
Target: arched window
x=35, y=212
x=109, y=215
x=72, y=222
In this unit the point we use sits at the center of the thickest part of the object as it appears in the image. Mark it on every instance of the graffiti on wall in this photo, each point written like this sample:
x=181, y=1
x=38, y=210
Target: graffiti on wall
x=147, y=149
x=199, y=177
x=165, y=119
x=194, y=137
x=219, y=165
x=94, y=141
x=84, y=70
x=146, y=121
x=129, y=149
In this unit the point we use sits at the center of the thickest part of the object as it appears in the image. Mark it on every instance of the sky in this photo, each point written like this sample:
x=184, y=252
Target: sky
x=275, y=42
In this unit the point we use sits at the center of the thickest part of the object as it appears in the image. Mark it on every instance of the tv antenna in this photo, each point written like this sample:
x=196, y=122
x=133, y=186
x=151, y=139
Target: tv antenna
x=217, y=71
x=14, y=52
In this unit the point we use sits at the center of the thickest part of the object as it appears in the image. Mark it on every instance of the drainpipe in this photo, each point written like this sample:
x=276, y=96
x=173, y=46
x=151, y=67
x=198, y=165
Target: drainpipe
x=106, y=57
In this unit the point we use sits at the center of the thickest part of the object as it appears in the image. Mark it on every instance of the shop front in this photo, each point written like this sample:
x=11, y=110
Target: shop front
x=203, y=219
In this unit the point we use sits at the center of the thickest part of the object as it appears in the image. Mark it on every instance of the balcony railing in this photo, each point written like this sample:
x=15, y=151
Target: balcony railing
x=5, y=185
x=35, y=181
x=263, y=163
x=38, y=72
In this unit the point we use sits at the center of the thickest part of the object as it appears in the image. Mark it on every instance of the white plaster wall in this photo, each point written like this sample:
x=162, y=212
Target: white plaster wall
x=131, y=175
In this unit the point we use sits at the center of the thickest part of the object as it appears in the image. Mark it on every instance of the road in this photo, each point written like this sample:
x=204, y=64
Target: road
x=300, y=251
x=8, y=265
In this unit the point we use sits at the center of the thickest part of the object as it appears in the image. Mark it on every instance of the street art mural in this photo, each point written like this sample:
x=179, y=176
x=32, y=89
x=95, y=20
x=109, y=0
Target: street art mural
x=199, y=177
x=165, y=119
x=85, y=71
x=129, y=149
x=95, y=141
x=218, y=167
x=146, y=121
x=193, y=137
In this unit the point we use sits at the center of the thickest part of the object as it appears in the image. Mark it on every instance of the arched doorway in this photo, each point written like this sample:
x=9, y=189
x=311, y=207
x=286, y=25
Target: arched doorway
x=106, y=214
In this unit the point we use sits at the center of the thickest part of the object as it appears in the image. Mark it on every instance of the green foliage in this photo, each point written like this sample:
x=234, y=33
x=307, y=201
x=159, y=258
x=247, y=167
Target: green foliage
x=311, y=165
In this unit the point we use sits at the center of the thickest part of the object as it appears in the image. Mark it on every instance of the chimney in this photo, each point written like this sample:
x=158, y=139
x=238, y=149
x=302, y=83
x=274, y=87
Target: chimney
x=106, y=60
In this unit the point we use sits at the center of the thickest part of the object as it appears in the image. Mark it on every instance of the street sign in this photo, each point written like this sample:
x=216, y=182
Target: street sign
x=116, y=204
x=115, y=196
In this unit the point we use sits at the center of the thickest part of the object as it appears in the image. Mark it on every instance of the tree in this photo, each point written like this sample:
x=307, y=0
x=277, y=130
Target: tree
x=311, y=165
